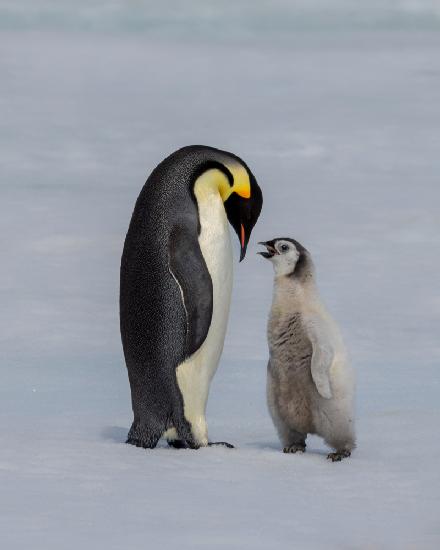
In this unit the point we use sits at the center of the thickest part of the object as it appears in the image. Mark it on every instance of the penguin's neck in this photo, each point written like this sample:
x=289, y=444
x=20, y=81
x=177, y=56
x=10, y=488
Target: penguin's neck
x=214, y=237
x=291, y=295
x=211, y=183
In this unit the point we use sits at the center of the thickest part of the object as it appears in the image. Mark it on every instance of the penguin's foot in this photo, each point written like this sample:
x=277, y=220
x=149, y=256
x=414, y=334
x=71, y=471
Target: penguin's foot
x=220, y=444
x=144, y=443
x=143, y=436
x=338, y=455
x=295, y=448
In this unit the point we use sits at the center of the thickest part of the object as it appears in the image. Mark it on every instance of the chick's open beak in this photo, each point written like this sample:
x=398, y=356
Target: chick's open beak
x=270, y=250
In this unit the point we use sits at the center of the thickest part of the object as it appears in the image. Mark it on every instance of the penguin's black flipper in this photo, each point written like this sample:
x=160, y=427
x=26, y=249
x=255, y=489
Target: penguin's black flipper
x=188, y=267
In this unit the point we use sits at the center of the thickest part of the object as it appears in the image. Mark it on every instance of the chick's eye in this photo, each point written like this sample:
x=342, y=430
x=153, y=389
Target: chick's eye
x=284, y=247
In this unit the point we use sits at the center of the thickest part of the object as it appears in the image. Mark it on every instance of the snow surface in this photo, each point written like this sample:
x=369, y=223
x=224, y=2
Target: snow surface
x=342, y=131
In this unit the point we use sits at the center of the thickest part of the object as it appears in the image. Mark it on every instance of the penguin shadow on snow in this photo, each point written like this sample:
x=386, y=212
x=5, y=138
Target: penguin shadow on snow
x=117, y=434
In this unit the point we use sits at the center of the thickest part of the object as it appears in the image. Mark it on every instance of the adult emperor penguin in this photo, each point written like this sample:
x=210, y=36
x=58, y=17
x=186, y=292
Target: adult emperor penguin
x=175, y=288
x=310, y=383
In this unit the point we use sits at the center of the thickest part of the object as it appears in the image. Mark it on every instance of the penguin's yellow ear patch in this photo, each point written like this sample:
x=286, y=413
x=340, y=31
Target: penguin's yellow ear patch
x=243, y=190
x=215, y=177
x=242, y=184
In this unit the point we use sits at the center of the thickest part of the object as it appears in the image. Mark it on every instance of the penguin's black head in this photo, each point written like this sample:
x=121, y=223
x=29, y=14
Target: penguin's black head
x=238, y=188
x=243, y=208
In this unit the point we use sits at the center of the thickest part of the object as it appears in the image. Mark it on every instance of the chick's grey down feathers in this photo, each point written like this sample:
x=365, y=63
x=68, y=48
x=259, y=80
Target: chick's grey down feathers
x=309, y=381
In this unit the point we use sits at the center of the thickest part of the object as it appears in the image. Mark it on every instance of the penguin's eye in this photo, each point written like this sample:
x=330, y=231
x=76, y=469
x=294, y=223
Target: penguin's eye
x=284, y=248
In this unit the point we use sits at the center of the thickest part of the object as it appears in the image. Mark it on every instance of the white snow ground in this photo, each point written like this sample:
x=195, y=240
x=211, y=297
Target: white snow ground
x=342, y=131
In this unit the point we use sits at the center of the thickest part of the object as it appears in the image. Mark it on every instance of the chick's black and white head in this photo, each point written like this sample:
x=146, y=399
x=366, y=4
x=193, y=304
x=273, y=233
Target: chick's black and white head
x=289, y=257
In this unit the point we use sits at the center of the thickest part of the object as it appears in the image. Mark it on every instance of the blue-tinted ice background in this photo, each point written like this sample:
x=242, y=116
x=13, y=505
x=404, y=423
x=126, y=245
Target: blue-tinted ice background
x=335, y=105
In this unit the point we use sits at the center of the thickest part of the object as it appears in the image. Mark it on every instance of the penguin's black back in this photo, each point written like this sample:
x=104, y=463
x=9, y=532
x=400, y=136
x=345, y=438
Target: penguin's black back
x=156, y=336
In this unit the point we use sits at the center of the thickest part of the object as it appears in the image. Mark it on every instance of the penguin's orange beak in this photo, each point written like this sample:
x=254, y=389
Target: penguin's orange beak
x=242, y=242
x=243, y=214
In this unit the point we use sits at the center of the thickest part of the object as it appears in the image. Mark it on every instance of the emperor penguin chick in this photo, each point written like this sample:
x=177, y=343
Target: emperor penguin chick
x=310, y=384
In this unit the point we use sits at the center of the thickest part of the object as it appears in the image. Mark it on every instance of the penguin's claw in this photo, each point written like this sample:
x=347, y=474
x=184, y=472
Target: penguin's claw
x=294, y=449
x=220, y=444
x=338, y=455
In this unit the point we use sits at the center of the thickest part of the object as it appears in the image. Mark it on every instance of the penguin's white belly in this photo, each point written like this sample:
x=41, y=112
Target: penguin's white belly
x=215, y=244
x=195, y=374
